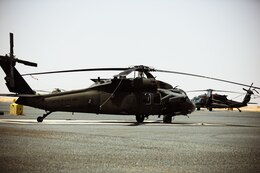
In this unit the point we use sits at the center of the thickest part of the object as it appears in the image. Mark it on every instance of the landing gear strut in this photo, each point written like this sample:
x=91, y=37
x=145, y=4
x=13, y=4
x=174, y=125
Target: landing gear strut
x=167, y=118
x=40, y=119
x=140, y=118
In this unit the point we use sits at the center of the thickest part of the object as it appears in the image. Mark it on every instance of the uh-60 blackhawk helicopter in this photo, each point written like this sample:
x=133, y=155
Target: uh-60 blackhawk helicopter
x=141, y=96
x=213, y=100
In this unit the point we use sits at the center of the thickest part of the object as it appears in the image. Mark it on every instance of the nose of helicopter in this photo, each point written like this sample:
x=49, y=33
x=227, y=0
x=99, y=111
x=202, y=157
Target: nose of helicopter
x=190, y=106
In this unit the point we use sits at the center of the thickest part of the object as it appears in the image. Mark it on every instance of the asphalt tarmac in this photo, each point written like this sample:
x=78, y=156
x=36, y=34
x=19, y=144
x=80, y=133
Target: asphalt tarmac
x=218, y=141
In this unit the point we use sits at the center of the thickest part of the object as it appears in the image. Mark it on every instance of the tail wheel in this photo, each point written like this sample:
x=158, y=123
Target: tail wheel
x=39, y=119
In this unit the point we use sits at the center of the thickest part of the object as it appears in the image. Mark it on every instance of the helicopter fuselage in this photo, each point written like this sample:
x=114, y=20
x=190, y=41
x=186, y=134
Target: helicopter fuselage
x=139, y=96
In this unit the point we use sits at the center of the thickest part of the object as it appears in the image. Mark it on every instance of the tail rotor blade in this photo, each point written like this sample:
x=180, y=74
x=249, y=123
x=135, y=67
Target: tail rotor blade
x=11, y=44
x=26, y=62
x=256, y=91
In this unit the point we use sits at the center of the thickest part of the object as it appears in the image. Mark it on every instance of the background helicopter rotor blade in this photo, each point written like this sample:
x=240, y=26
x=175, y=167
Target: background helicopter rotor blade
x=256, y=91
x=215, y=91
x=197, y=90
x=227, y=91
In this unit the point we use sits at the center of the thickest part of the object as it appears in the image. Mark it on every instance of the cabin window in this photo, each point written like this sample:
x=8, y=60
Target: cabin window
x=147, y=98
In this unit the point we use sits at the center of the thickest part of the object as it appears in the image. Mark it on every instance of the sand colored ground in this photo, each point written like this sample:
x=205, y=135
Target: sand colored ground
x=251, y=108
x=8, y=99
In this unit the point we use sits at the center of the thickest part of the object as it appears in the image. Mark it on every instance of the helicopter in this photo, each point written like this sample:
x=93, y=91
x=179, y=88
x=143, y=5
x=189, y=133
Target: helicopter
x=141, y=96
x=215, y=100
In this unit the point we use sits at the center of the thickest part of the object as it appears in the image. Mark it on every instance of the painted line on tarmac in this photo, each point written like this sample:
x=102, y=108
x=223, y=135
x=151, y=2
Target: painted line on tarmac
x=62, y=122
x=114, y=122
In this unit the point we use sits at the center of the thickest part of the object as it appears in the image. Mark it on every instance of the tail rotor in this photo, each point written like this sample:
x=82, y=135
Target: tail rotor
x=14, y=80
x=249, y=92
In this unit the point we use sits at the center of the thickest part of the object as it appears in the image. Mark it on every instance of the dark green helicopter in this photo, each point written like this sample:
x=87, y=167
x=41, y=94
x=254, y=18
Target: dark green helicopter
x=141, y=96
x=213, y=100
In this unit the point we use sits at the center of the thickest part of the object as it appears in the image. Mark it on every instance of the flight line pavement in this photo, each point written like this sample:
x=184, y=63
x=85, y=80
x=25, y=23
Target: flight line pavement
x=217, y=141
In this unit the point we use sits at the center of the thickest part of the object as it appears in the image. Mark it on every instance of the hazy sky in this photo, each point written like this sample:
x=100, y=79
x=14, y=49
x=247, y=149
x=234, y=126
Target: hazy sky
x=215, y=38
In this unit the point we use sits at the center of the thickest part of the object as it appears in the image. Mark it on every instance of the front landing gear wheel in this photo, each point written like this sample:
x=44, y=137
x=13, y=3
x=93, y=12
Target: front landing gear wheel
x=140, y=118
x=39, y=119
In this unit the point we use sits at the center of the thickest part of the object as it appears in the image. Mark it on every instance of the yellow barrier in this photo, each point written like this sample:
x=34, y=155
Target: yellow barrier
x=16, y=109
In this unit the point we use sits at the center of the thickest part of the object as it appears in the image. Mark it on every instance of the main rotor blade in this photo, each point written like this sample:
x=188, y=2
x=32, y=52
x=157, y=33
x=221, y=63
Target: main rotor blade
x=206, y=77
x=126, y=72
x=228, y=91
x=76, y=70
